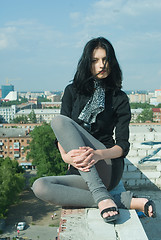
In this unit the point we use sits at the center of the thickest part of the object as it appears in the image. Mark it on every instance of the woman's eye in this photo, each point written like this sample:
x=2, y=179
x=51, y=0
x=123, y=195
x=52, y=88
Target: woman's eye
x=94, y=60
x=104, y=60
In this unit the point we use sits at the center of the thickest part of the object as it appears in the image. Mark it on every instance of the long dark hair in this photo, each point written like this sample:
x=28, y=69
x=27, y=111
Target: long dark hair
x=84, y=80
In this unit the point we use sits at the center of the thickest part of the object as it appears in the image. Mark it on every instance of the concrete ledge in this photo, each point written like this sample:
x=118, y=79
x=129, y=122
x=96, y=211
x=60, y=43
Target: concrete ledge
x=87, y=224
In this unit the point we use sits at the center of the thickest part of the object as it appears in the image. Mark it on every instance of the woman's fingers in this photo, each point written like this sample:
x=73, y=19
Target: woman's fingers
x=83, y=157
x=86, y=162
x=77, y=152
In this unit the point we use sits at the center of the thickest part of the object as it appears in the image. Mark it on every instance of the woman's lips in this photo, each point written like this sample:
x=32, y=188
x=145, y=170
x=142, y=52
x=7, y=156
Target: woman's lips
x=103, y=71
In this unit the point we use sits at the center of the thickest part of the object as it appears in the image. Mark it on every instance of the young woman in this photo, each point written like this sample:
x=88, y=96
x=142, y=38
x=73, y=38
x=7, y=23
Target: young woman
x=93, y=110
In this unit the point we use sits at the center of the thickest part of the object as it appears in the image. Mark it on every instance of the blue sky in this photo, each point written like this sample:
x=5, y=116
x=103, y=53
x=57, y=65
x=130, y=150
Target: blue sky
x=41, y=41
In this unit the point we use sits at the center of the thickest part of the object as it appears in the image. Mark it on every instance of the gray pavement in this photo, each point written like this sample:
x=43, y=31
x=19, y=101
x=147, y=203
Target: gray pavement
x=32, y=232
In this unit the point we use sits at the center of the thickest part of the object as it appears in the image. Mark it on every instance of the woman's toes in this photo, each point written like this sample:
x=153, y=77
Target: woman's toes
x=107, y=203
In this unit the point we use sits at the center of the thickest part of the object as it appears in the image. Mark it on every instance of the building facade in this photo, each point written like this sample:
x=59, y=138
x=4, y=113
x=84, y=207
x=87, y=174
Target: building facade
x=50, y=105
x=135, y=113
x=13, y=142
x=7, y=114
x=6, y=89
x=156, y=115
x=42, y=115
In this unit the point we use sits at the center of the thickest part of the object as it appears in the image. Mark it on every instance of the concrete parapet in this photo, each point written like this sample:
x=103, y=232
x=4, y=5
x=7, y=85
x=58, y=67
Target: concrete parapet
x=87, y=224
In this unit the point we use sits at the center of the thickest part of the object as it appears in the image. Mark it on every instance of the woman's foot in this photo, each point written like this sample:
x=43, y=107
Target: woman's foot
x=108, y=210
x=144, y=205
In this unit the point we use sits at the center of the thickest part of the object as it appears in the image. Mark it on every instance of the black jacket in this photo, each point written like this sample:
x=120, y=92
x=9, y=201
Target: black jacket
x=114, y=120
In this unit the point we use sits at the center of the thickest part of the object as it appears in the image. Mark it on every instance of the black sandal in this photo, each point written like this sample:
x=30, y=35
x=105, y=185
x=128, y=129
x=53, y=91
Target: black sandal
x=146, y=208
x=110, y=218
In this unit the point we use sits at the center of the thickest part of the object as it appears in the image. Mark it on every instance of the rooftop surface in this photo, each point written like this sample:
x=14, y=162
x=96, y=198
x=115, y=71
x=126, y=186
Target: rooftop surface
x=13, y=132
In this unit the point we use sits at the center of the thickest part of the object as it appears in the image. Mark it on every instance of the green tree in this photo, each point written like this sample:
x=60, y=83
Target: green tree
x=44, y=153
x=140, y=105
x=42, y=99
x=11, y=183
x=145, y=115
x=32, y=117
x=20, y=119
x=16, y=102
x=159, y=105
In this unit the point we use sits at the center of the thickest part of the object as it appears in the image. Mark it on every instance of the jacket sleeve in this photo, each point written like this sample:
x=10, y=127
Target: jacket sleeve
x=123, y=116
x=67, y=101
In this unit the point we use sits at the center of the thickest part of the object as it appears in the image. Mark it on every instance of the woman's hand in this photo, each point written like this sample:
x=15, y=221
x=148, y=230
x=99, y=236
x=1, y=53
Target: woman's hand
x=87, y=159
x=82, y=159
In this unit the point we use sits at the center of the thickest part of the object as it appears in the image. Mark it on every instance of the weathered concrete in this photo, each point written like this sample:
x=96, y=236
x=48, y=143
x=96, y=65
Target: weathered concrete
x=87, y=224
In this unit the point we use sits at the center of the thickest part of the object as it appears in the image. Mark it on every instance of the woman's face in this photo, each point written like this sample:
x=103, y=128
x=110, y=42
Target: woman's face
x=99, y=65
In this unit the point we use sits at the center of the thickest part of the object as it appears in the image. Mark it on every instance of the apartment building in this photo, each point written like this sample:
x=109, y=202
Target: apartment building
x=157, y=115
x=50, y=105
x=138, y=98
x=42, y=115
x=135, y=113
x=12, y=144
x=7, y=114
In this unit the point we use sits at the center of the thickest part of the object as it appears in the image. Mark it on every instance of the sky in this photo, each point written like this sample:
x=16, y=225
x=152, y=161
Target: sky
x=41, y=41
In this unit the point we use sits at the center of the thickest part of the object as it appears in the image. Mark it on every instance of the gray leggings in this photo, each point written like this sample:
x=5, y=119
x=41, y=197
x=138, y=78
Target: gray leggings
x=86, y=190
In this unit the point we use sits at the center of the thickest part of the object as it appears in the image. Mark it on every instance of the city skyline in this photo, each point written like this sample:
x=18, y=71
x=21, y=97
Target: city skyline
x=41, y=42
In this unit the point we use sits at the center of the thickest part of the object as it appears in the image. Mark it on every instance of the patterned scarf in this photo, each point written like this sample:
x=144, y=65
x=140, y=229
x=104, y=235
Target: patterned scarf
x=95, y=105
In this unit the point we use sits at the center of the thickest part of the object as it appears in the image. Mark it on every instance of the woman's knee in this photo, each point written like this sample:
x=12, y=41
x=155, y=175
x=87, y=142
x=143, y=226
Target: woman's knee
x=39, y=186
x=59, y=121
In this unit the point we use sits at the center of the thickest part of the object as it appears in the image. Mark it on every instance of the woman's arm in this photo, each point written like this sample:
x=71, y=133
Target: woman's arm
x=123, y=116
x=97, y=155
x=114, y=152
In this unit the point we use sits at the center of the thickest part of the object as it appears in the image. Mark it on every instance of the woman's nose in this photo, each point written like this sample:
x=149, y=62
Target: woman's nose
x=101, y=64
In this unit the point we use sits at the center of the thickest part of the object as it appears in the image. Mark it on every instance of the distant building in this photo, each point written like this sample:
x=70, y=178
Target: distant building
x=12, y=144
x=6, y=89
x=157, y=92
x=153, y=101
x=7, y=114
x=11, y=96
x=33, y=100
x=138, y=98
x=157, y=115
x=42, y=115
x=55, y=98
x=50, y=104
x=26, y=105
x=135, y=113
x=31, y=95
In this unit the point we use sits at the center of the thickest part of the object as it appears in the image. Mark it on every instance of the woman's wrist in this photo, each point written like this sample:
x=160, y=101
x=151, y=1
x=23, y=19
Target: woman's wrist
x=99, y=154
x=114, y=152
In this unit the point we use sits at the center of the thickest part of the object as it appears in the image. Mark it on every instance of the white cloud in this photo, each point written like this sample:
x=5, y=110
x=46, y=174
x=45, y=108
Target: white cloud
x=107, y=12
x=75, y=16
x=3, y=42
x=28, y=34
